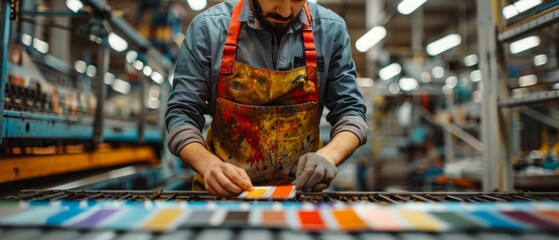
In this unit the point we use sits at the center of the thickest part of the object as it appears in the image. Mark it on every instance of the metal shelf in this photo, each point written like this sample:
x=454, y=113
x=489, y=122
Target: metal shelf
x=46, y=126
x=530, y=99
x=531, y=24
x=49, y=126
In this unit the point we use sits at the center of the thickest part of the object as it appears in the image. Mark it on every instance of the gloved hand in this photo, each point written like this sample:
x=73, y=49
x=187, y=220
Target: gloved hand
x=314, y=172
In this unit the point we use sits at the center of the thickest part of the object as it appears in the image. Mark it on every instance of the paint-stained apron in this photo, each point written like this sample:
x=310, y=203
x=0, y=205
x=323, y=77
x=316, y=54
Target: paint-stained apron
x=264, y=119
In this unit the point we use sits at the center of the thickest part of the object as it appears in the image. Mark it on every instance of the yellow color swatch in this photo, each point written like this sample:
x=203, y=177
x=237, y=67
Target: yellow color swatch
x=421, y=221
x=256, y=193
x=163, y=220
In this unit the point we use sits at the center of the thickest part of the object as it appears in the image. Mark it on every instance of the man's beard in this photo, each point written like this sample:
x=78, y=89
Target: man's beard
x=272, y=26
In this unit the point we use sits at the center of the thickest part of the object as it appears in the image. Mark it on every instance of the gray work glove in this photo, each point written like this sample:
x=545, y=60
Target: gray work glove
x=314, y=173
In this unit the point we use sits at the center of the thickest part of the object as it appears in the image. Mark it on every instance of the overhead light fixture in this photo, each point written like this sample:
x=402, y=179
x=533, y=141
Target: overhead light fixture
x=408, y=83
x=40, y=45
x=408, y=6
x=540, y=59
x=370, y=39
x=520, y=6
x=471, y=60
x=147, y=71
x=74, y=5
x=154, y=103
x=117, y=43
x=80, y=66
x=138, y=65
x=556, y=86
x=475, y=76
x=524, y=44
x=451, y=81
x=394, y=88
x=26, y=39
x=528, y=80
x=157, y=77
x=438, y=72
x=364, y=82
x=197, y=5
x=131, y=56
x=91, y=71
x=447, y=89
x=444, y=44
x=390, y=71
x=121, y=86
x=109, y=78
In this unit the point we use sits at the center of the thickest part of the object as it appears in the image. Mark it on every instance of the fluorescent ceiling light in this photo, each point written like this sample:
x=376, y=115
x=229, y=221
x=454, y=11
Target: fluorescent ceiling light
x=524, y=5
x=408, y=83
x=26, y=39
x=556, y=86
x=74, y=5
x=157, y=77
x=80, y=66
x=438, y=72
x=131, y=56
x=470, y=60
x=524, y=44
x=197, y=5
x=390, y=71
x=109, y=78
x=475, y=76
x=154, y=91
x=40, y=45
x=121, y=86
x=154, y=103
x=444, y=44
x=527, y=80
x=117, y=43
x=540, y=59
x=91, y=71
x=514, y=9
x=147, y=71
x=394, y=88
x=370, y=39
x=408, y=6
x=364, y=82
x=138, y=65
x=451, y=81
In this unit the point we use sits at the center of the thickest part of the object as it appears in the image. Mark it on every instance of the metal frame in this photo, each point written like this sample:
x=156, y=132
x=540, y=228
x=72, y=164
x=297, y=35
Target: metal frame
x=497, y=168
x=4, y=35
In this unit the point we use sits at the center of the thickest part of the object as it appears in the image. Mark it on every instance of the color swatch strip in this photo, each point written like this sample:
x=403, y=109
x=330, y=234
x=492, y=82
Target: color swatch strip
x=270, y=192
x=287, y=215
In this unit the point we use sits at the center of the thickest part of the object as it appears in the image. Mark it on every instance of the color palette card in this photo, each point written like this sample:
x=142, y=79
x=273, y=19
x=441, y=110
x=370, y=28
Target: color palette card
x=270, y=192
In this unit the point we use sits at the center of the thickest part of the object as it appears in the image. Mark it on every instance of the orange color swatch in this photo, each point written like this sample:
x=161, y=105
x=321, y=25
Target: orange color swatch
x=348, y=220
x=283, y=191
x=311, y=220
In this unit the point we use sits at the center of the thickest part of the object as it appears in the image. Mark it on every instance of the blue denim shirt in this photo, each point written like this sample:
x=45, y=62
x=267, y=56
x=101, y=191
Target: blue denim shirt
x=197, y=68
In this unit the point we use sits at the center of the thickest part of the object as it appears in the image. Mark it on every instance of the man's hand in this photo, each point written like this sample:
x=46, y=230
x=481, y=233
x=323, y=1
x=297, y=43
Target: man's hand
x=314, y=172
x=225, y=180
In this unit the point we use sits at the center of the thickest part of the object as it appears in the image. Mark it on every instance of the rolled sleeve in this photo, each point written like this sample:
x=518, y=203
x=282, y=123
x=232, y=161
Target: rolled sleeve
x=181, y=136
x=354, y=124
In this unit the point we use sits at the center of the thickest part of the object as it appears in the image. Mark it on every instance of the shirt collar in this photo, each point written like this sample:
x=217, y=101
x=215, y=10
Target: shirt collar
x=247, y=16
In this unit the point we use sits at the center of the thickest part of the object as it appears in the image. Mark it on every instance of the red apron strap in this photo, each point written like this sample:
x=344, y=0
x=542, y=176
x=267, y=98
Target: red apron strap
x=230, y=48
x=310, y=50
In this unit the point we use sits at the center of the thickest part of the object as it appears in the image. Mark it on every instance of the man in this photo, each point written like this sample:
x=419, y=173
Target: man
x=264, y=70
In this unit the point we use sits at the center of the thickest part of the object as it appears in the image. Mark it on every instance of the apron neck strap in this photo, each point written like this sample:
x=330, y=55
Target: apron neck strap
x=230, y=48
x=308, y=43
